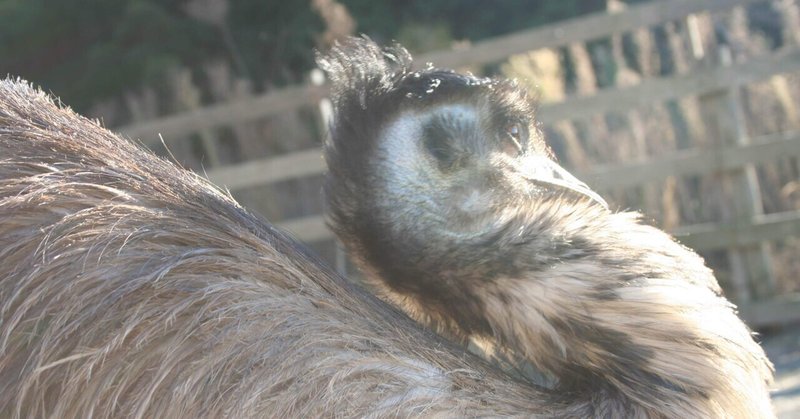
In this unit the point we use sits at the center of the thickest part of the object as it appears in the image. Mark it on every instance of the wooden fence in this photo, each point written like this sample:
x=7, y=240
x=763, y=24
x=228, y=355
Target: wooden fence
x=733, y=156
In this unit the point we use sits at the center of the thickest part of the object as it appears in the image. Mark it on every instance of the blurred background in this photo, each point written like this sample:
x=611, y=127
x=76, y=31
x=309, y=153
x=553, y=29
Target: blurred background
x=684, y=110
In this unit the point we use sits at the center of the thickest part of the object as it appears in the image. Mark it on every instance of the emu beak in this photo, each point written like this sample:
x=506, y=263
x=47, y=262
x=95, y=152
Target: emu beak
x=544, y=171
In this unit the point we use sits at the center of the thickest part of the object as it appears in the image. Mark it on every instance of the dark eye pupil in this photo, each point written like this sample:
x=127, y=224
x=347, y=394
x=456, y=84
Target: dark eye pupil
x=514, y=141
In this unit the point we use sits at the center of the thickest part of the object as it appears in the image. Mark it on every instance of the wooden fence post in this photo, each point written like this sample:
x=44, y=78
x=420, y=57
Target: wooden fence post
x=325, y=109
x=751, y=271
x=188, y=99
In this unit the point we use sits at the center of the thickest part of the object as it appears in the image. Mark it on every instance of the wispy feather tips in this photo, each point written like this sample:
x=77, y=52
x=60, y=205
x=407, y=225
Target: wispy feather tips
x=357, y=67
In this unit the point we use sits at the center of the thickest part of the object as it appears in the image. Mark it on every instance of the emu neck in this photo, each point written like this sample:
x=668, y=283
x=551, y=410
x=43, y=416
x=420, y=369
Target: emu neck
x=619, y=314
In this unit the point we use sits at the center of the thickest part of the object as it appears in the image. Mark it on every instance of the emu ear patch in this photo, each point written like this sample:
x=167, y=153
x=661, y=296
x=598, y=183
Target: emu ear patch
x=446, y=134
x=438, y=142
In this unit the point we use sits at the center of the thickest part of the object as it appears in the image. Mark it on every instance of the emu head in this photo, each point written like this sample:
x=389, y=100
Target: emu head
x=431, y=161
x=443, y=190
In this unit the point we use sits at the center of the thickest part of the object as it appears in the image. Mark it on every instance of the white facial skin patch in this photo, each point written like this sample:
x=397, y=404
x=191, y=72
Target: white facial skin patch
x=410, y=169
x=415, y=186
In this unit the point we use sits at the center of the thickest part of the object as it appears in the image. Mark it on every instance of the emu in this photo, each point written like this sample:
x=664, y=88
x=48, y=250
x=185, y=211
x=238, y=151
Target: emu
x=132, y=288
x=450, y=201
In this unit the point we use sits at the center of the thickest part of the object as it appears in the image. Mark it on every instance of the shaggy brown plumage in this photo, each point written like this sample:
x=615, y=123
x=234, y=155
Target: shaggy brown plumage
x=450, y=201
x=132, y=288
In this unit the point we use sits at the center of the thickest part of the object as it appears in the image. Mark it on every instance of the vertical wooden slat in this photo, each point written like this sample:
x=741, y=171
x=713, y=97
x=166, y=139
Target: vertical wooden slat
x=751, y=271
x=188, y=99
x=325, y=110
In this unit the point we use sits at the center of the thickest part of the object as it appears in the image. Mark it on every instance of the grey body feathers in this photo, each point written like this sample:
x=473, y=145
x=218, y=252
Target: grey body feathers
x=132, y=288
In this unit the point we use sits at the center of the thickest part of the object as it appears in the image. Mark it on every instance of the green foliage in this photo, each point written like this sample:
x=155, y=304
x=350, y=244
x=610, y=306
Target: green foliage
x=85, y=50
x=466, y=19
x=277, y=38
x=88, y=50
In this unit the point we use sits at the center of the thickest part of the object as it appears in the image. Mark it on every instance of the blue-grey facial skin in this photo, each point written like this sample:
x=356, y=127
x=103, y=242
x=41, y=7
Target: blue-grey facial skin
x=447, y=196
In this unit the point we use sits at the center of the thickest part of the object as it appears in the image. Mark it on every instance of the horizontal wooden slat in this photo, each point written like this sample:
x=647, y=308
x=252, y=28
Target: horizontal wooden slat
x=579, y=29
x=694, y=162
x=266, y=171
x=689, y=162
x=777, y=311
x=699, y=237
x=286, y=99
x=308, y=229
x=667, y=88
x=774, y=312
x=561, y=33
x=762, y=228
x=616, y=99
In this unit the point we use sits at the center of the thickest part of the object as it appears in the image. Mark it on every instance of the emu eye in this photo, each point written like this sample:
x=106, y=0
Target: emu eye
x=515, y=138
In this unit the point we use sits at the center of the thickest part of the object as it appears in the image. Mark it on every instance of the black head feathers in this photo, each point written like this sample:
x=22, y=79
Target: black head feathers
x=366, y=76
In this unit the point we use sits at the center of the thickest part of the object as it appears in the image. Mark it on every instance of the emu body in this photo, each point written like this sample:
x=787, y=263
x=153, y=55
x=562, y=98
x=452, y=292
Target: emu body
x=444, y=191
x=132, y=288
